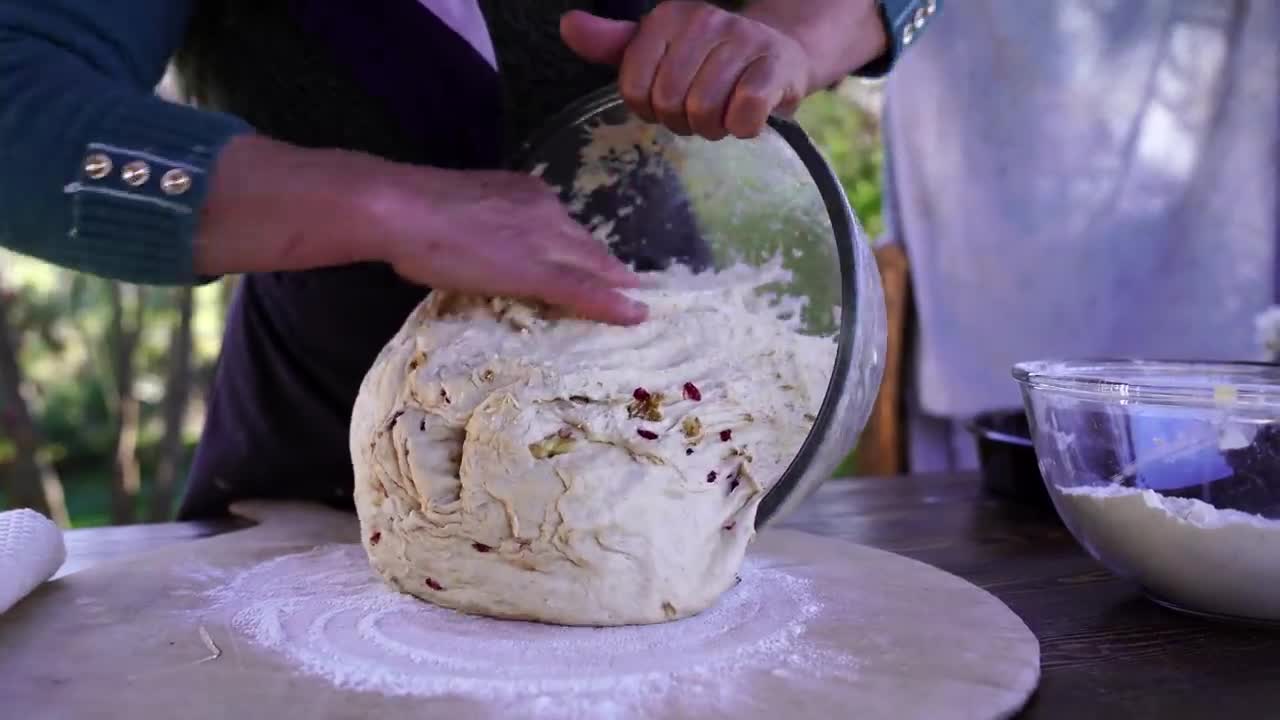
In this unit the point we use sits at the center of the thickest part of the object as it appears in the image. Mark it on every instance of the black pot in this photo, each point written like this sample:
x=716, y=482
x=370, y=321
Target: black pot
x=1008, y=459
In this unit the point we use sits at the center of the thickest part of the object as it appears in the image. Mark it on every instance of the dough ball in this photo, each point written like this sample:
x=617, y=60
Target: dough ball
x=522, y=466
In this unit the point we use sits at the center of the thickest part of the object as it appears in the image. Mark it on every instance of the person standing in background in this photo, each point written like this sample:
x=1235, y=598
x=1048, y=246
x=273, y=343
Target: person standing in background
x=1079, y=179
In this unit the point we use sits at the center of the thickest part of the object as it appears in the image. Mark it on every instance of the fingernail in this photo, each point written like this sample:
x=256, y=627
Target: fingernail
x=637, y=311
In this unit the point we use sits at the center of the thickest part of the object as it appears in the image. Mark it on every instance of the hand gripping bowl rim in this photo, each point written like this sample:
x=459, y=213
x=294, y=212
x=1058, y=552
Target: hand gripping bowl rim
x=808, y=460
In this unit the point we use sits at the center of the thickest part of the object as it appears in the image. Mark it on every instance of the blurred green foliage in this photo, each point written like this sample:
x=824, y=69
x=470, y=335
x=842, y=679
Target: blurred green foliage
x=63, y=320
x=756, y=202
x=849, y=136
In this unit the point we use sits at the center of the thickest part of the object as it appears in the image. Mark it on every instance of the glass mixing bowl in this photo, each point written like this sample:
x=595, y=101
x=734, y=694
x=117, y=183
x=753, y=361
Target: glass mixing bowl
x=657, y=198
x=1167, y=473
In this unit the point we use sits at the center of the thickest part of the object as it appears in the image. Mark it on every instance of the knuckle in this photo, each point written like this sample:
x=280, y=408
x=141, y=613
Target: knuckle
x=702, y=17
x=702, y=107
x=745, y=124
x=634, y=92
x=745, y=129
x=740, y=28
x=668, y=104
x=752, y=101
x=667, y=98
x=704, y=115
x=672, y=10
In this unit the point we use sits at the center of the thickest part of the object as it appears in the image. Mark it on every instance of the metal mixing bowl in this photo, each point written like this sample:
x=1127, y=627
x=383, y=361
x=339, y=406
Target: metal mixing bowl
x=1168, y=473
x=661, y=198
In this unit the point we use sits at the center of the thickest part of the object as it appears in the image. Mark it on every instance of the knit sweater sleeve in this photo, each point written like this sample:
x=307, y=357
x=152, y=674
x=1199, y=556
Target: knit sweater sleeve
x=96, y=172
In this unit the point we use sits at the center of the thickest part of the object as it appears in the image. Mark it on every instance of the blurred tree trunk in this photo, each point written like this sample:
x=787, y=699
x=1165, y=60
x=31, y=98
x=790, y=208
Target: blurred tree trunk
x=33, y=482
x=226, y=293
x=126, y=320
x=206, y=369
x=177, y=394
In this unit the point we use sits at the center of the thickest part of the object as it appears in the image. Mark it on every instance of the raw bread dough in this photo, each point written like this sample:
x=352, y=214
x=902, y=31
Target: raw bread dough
x=513, y=464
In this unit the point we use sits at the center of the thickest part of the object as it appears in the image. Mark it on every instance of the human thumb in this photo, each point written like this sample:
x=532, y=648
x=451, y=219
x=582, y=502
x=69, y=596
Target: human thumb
x=596, y=39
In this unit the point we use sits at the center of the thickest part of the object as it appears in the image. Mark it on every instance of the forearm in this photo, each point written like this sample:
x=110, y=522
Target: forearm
x=840, y=35
x=98, y=175
x=276, y=207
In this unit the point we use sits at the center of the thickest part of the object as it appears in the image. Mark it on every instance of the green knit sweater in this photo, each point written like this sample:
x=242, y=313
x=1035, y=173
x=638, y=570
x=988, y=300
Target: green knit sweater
x=76, y=83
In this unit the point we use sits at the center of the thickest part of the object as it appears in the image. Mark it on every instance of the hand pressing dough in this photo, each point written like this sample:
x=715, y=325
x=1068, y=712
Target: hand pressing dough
x=517, y=465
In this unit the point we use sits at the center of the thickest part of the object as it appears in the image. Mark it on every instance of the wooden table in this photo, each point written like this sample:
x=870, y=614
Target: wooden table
x=1106, y=651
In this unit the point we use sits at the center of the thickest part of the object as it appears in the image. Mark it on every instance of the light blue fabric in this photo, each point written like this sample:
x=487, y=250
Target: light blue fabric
x=1174, y=451
x=1082, y=178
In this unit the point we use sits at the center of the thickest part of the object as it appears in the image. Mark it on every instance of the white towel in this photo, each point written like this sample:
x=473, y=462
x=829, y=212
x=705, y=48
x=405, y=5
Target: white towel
x=31, y=551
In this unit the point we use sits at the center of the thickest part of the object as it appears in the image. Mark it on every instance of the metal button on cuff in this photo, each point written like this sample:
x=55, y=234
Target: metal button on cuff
x=904, y=21
x=131, y=175
x=135, y=173
x=175, y=182
x=132, y=213
x=97, y=166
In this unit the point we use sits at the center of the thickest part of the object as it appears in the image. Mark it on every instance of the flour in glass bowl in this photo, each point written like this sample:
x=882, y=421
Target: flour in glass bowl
x=326, y=612
x=1184, y=551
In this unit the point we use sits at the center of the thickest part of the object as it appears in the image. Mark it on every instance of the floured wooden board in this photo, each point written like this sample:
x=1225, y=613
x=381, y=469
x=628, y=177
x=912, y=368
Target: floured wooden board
x=286, y=620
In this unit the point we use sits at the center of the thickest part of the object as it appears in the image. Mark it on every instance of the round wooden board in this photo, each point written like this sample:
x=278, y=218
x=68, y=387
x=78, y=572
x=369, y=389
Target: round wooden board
x=818, y=628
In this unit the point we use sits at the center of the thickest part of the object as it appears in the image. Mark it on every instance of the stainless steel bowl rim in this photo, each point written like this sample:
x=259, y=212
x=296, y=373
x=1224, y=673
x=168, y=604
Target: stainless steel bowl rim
x=1171, y=383
x=815, y=455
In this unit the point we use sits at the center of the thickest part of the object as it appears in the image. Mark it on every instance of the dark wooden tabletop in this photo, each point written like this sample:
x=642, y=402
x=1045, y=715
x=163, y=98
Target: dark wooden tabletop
x=1106, y=651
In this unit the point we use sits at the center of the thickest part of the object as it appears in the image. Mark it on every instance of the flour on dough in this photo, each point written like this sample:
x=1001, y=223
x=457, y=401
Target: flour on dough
x=516, y=465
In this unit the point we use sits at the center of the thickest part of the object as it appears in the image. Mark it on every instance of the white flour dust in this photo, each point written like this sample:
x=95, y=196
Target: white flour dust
x=1183, y=550
x=327, y=612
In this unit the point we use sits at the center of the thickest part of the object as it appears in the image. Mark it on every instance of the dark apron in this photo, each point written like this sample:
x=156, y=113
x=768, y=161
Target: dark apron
x=385, y=77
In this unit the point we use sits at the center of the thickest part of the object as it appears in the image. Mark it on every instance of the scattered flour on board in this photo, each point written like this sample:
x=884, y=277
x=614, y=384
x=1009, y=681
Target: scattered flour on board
x=1183, y=550
x=328, y=613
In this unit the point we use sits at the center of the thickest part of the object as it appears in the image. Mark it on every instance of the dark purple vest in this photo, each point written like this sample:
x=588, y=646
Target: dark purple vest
x=386, y=77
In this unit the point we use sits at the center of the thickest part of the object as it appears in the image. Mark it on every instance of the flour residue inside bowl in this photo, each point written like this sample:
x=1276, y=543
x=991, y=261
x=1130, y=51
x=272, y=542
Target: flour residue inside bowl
x=1185, y=551
x=329, y=614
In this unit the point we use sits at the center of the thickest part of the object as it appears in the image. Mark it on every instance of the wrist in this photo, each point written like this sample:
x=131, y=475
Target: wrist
x=391, y=196
x=904, y=21
x=839, y=36
x=279, y=207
